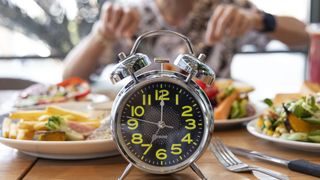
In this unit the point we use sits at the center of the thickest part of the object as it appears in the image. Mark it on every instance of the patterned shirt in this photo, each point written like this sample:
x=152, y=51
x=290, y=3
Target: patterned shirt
x=219, y=56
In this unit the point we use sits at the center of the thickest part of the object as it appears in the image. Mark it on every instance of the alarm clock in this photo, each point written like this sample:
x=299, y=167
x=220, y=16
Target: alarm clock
x=161, y=120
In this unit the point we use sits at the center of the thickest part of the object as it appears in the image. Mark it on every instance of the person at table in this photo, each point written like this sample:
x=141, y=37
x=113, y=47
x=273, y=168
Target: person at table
x=217, y=28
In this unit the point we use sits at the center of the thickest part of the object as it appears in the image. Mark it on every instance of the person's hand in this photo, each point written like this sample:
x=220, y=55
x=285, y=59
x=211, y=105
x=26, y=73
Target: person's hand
x=117, y=22
x=229, y=20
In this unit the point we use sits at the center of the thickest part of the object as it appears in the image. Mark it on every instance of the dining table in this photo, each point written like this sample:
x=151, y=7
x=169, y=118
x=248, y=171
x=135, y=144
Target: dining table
x=17, y=165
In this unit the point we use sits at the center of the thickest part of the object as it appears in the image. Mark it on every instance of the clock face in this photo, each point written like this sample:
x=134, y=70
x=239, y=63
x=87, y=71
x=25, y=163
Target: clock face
x=161, y=124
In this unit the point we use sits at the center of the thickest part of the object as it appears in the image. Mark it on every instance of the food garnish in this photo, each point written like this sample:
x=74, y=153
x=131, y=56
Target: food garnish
x=57, y=123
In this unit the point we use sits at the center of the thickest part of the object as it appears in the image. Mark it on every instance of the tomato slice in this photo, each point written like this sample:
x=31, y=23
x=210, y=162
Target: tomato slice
x=211, y=92
x=72, y=81
x=201, y=84
x=80, y=87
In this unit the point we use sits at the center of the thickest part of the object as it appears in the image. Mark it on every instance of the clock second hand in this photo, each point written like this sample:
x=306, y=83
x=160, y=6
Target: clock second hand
x=142, y=120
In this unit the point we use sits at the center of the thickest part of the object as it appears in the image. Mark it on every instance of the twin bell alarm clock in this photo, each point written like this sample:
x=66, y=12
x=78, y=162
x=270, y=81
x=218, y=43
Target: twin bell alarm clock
x=161, y=120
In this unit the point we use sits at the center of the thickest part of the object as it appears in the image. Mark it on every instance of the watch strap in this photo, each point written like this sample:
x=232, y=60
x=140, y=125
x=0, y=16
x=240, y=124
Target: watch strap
x=269, y=22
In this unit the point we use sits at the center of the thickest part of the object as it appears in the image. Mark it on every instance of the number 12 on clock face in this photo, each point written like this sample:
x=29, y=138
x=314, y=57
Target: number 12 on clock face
x=160, y=95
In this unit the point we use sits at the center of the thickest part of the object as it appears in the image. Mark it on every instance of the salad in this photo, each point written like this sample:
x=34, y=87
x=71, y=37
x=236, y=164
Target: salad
x=296, y=120
x=37, y=94
x=230, y=101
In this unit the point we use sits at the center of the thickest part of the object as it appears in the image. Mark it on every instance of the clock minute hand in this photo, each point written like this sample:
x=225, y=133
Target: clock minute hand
x=142, y=120
x=150, y=122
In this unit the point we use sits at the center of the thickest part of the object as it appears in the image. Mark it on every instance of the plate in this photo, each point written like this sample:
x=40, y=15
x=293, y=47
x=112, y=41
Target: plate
x=66, y=150
x=226, y=123
x=241, y=86
x=304, y=146
x=73, y=105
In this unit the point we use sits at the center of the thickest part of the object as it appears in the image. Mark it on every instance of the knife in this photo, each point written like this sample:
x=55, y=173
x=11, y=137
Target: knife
x=299, y=165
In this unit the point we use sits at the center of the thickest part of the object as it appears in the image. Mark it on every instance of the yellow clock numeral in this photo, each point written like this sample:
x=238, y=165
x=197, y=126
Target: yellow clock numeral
x=176, y=149
x=132, y=124
x=149, y=146
x=187, y=111
x=187, y=138
x=137, y=111
x=136, y=138
x=146, y=99
x=161, y=154
x=177, y=99
x=162, y=95
x=191, y=124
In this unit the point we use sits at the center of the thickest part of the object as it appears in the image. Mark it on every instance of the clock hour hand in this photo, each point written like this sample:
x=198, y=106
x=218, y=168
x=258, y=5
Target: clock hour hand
x=161, y=115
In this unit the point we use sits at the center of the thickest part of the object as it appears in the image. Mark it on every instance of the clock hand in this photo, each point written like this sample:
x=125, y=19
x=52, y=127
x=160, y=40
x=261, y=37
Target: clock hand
x=161, y=115
x=171, y=127
x=142, y=120
x=162, y=124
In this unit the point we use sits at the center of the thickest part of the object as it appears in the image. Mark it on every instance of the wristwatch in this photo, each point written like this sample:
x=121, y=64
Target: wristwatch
x=269, y=22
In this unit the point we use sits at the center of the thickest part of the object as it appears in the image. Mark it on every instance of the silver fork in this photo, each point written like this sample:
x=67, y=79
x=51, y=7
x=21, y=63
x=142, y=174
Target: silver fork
x=232, y=163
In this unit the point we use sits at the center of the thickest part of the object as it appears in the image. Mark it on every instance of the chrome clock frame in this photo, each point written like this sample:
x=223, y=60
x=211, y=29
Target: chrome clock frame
x=190, y=63
x=143, y=80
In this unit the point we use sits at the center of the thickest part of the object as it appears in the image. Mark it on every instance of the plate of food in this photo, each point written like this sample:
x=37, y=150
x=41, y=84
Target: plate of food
x=231, y=102
x=72, y=90
x=57, y=133
x=292, y=120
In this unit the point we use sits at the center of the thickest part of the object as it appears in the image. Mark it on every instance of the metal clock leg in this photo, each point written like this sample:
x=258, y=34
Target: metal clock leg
x=126, y=171
x=195, y=169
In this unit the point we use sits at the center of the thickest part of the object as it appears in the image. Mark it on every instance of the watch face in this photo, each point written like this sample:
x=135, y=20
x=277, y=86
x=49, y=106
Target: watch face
x=160, y=124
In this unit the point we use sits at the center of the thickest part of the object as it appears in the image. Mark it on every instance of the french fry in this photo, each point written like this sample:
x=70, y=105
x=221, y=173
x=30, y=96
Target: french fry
x=13, y=131
x=22, y=124
x=6, y=127
x=40, y=126
x=27, y=115
x=78, y=116
x=25, y=134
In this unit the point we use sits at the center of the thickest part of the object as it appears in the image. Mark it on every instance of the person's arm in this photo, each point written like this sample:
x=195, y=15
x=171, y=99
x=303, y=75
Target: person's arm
x=115, y=23
x=233, y=21
x=290, y=31
x=83, y=59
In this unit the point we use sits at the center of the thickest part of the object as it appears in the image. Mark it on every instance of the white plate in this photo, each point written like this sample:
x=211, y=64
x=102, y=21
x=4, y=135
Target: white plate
x=304, y=146
x=71, y=150
x=91, y=98
x=226, y=123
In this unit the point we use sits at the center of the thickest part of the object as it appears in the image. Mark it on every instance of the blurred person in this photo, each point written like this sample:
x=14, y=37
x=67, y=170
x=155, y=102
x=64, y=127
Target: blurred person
x=217, y=28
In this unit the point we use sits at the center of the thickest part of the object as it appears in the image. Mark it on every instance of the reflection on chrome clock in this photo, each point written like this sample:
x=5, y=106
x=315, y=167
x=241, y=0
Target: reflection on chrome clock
x=161, y=124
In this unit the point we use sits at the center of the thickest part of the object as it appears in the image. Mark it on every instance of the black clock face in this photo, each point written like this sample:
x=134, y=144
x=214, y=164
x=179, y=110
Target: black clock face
x=161, y=124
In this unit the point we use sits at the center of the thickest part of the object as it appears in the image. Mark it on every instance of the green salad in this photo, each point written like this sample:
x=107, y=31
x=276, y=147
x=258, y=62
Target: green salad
x=297, y=120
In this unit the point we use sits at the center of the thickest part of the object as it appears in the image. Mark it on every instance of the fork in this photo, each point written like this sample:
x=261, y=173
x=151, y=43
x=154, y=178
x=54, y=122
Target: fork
x=232, y=163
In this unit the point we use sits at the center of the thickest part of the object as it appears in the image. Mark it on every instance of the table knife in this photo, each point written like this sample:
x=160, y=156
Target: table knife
x=298, y=165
